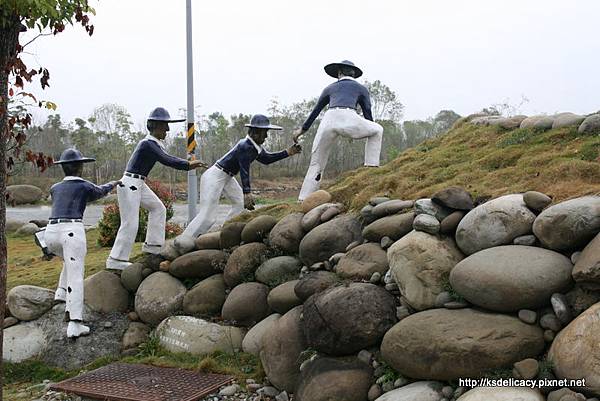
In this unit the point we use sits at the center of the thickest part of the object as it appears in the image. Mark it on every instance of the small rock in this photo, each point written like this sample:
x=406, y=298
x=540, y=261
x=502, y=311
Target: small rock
x=164, y=266
x=459, y=391
x=353, y=245
x=550, y=322
x=392, y=287
x=253, y=387
x=456, y=305
x=283, y=396
x=365, y=356
x=528, y=316
x=317, y=266
x=374, y=392
x=561, y=308
x=549, y=336
x=426, y=223
x=375, y=364
x=269, y=391
x=443, y=298
x=10, y=321
x=527, y=240
x=536, y=201
x=133, y=316
x=527, y=368
x=400, y=382
x=108, y=325
x=575, y=257
x=304, y=269
x=386, y=242
x=447, y=391
x=402, y=312
x=388, y=278
x=375, y=278
x=230, y=390
x=388, y=386
x=334, y=259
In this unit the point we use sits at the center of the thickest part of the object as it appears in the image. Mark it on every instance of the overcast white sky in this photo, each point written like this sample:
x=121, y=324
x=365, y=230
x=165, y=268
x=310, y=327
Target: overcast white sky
x=435, y=54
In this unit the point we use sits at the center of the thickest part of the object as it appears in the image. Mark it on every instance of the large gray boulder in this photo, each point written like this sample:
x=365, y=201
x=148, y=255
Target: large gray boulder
x=538, y=122
x=45, y=339
x=198, y=264
x=252, y=342
x=362, y=261
x=569, y=225
x=132, y=276
x=243, y=262
x=28, y=302
x=345, y=319
x=315, y=282
x=327, y=379
x=278, y=270
x=231, y=234
x=591, y=125
x=198, y=337
x=283, y=298
x=395, y=227
x=512, y=277
x=159, y=296
x=205, y=298
x=313, y=218
x=496, y=222
x=23, y=194
x=287, y=234
x=280, y=352
x=567, y=120
x=453, y=198
x=417, y=391
x=428, y=344
x=247, y=304
x=209, y=241
x=104, y=293
x=329, y=238
x=391, y=207
x=576, y=349
x=587, y=267
x=502, y=394
x=257, y=229
x=420, y=264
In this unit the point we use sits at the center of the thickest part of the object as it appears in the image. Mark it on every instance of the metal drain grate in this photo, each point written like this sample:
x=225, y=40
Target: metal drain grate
x=125, y=382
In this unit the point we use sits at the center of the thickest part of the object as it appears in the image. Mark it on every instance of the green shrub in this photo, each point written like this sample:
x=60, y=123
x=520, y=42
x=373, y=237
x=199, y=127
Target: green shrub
x=109, y=223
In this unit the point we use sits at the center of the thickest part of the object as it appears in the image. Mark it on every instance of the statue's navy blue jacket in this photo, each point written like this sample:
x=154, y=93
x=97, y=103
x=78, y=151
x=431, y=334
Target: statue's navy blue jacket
x=70, y=196
x=344, y=93
x=149, y=151
x=244, y=153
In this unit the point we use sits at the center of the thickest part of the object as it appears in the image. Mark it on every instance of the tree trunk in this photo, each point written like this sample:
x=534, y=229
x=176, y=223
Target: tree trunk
x=9, y=36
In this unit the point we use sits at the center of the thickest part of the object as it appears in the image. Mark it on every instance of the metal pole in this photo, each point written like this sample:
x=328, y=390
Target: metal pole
x=191, y=130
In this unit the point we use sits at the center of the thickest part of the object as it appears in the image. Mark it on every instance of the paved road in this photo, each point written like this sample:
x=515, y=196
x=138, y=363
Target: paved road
x=94, y=212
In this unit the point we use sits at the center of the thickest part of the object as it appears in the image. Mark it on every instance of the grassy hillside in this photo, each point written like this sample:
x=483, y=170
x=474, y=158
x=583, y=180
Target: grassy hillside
x=487, y=161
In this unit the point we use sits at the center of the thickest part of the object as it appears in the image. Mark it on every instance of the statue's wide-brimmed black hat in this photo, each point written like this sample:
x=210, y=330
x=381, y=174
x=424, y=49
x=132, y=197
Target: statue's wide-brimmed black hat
x=334, y=68
x=261, y=121
x=161, y=114
x=73, y=156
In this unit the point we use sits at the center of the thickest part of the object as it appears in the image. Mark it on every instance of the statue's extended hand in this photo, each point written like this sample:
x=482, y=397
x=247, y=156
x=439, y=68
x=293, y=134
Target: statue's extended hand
x=197, y=164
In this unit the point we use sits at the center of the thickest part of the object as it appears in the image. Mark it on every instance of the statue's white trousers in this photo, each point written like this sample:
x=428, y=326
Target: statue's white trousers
x=67, y=240
x=133, y=194
x=346, y=123
x=213, y=183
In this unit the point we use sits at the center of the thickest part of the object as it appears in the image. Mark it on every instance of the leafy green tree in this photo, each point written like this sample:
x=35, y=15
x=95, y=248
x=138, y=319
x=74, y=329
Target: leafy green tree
x=17, y=16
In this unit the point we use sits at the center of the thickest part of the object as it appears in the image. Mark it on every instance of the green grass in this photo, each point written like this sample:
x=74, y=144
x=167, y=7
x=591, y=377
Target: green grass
x=25, y=265
x=487, y=161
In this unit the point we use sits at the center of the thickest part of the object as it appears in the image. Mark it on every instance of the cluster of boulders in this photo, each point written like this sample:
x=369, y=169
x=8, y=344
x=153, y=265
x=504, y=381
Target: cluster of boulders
x=589, y=124
x=396, y=302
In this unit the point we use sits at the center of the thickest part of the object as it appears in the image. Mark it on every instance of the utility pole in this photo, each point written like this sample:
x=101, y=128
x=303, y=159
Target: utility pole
x=191, y=127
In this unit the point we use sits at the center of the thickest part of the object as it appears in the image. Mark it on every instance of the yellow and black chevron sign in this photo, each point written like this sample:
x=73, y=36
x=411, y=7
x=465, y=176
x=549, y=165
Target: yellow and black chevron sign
x=191, y=140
